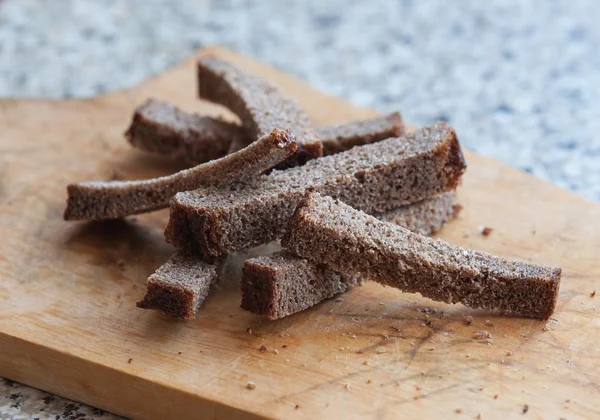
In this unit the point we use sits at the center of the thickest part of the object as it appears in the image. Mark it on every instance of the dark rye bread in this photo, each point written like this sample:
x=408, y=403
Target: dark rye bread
x=97, y=200
x=425, y=217
x=281, y=284
x=161, y=127
x=339, y=137
x=375, y=178
x=327, y=231
x=259, y=104
x=179, y=286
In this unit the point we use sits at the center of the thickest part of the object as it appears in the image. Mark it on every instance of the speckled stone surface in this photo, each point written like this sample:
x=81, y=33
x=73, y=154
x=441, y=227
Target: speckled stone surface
x=520, y=80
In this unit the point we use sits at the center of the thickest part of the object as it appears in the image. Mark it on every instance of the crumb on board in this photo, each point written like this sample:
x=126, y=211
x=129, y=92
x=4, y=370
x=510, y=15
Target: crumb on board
x=525, y=408
x=509, y=353
x=178, y=352
x=488, y=323
x=593, y=294
x=130, y=360
x=275, y=351
x=347, y=386
x=478, y=416
x=546, y=328
x=458, y=410
x=250, y=385
x=339, y=300
x=496, y=396
x=368, y=381
x=485, y=230
x=366, y=363
x=283, y=346
x=297, y=406
x=380, y=351
x=249, y=331
x=469, y=320
x=483, y=336
x=262, y=349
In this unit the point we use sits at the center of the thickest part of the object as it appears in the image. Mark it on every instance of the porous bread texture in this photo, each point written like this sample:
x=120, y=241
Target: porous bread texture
x=160, y=127
x=281, y=283
x=327, y=231
x=98, y=200
x=259, y=104
x=375, y=178
x=179, y=286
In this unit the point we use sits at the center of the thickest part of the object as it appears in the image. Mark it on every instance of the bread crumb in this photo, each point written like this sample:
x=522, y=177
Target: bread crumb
x=379, y=351
x=468, y=355
x=525, y=408
x=385, y=337
x=262, y=349
x=359, y=351
x=483, y=335
x=249, y=331
x=458, y=410
x=496, y=396
x=381, y=303
x=485, y=230
x=488, y=323
x=478, y=417
x=250, y=385
x=305, y=364
x=593, y=294
x=347, y=387
x=481, y=389
x=469, y=320
x=431, y=348
x=546, y=328
x=297, y=407
x=412, y=343
x=275, y=351
x=368, y=381
x=418, y=388
x=130, y=360
x=366, y=363
x=178, y=352
x=353, y=336
x=283, y=346
x=339, y=300
x=509, y=353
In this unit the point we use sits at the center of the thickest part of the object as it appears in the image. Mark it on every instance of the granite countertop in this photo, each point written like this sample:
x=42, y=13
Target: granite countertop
x=519, y=80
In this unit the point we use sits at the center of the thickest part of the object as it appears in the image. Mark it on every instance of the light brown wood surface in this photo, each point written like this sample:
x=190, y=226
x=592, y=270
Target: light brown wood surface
x=69, y=325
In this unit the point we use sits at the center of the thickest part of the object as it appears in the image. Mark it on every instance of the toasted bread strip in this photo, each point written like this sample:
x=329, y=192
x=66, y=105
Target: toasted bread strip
x=341, y=137
x=179, y=286
x=160, y=127
x=281, y=284
x=375, y=178
x=327, y=231
x=99, y=200
x=259, y=105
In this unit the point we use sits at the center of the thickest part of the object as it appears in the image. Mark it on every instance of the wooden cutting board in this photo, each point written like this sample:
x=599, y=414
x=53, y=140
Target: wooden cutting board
x=69, y=325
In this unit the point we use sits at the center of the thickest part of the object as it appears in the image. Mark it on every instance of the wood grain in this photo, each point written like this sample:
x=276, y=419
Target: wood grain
x=69, y=325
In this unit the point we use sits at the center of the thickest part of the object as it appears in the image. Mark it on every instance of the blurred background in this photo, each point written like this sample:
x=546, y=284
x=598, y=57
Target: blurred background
x=519, y=80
